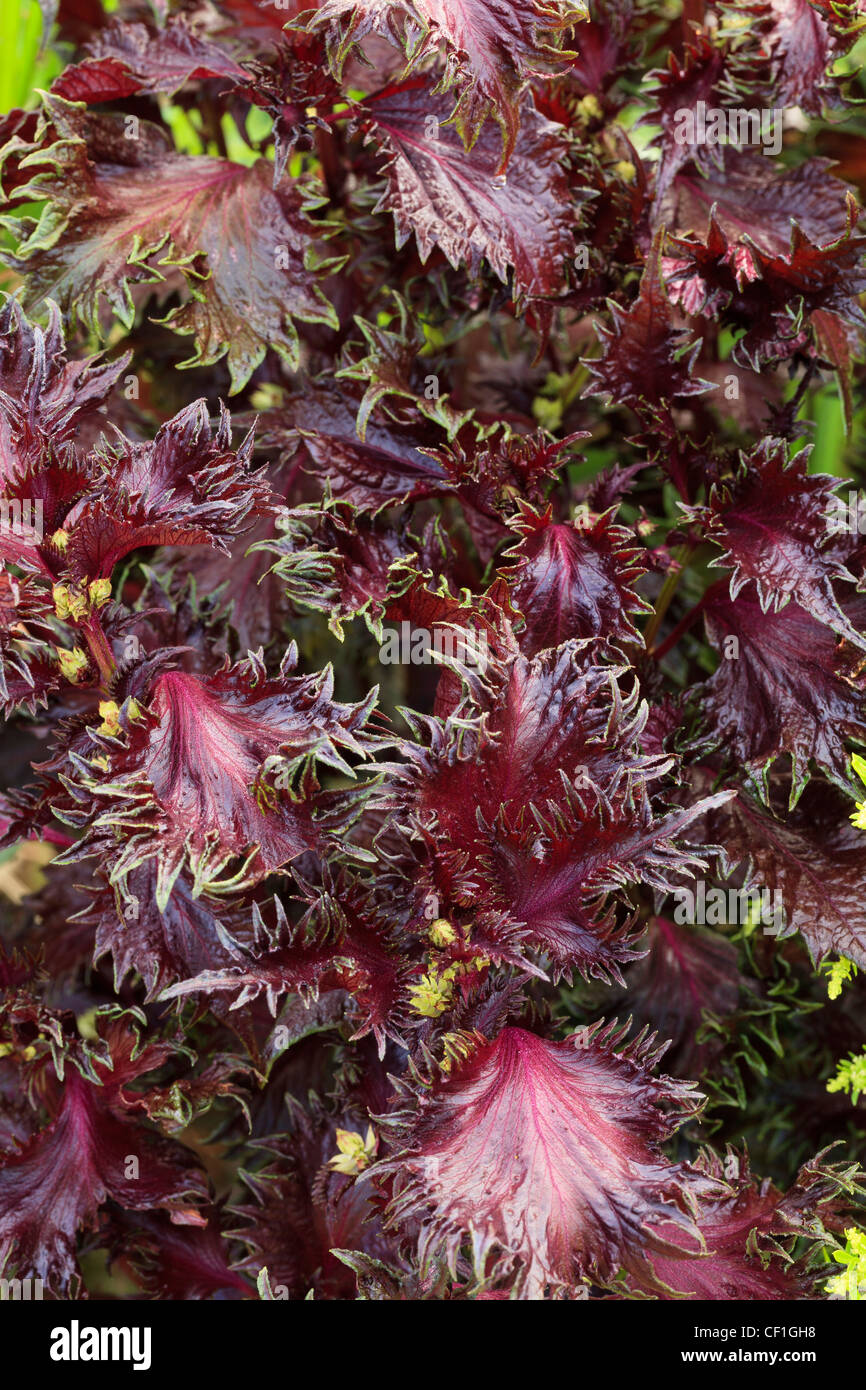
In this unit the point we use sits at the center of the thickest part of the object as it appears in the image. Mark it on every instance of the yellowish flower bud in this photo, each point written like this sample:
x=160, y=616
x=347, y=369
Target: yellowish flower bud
x=356, y=1151
x=73, y=663
x=99, y=592
x=433, y=993
x=60, y=594
x=589, y=107
x=442, y=933
x=108, y=712
x=69, y=603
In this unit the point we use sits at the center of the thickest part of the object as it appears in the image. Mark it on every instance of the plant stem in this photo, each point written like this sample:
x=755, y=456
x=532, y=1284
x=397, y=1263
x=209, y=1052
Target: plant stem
x=693, y=13
x=573, y=385
x=680, y=559
x=685, y=623
x=99, y=649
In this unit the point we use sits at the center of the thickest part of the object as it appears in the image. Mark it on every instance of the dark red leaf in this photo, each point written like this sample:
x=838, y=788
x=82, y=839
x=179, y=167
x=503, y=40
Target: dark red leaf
x=784, y=685
x=646, y=360
x=186, y=487
x=544, y=1156
x=386, y=467
x=344, y=941
x=222, y=768
x=492, y=48
x=813, y=856
x=127, y=58
x=573, y=579
x=771, y=519
x=54, y=1184
x=543, y=807
x=127, y=212
x=764, y=249
x=454, y=199
x=303, y=1211
x=750, y=1229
